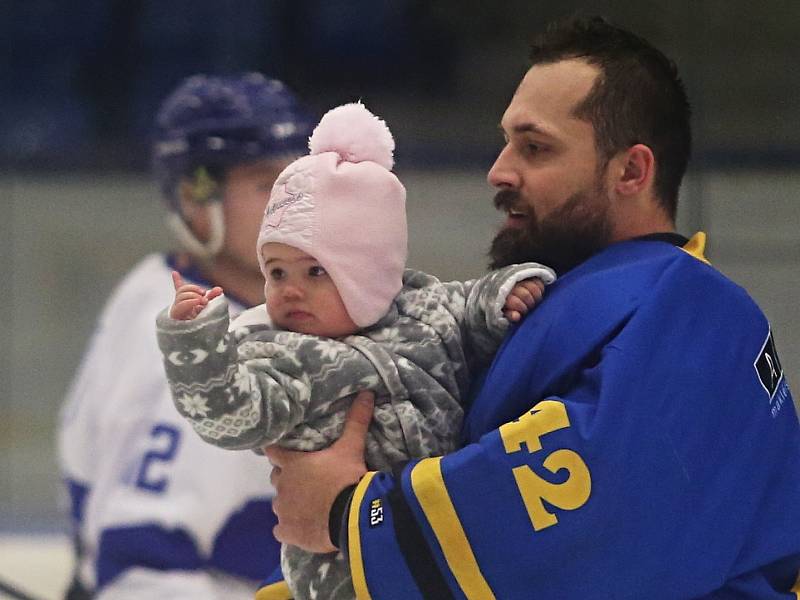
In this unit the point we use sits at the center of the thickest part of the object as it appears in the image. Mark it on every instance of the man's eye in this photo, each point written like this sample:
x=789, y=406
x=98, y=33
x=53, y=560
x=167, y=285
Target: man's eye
x=317, y=271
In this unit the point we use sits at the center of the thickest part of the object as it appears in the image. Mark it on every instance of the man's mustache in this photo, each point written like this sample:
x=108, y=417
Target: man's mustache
x=506, y=199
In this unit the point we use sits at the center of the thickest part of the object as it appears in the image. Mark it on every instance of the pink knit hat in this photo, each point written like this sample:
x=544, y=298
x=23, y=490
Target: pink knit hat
x=343, y=205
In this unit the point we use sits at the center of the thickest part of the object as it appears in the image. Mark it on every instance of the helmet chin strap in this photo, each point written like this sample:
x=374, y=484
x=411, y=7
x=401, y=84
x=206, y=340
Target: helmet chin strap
x=188, y=240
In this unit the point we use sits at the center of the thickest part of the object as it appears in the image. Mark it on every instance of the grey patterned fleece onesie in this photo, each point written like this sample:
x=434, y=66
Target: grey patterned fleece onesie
x=255, y=386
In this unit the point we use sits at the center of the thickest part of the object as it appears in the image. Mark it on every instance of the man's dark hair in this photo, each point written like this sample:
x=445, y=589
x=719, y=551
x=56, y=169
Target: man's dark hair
x=638, y=97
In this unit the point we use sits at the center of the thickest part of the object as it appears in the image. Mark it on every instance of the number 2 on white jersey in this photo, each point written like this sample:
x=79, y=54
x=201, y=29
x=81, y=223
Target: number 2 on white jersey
x=167, y=439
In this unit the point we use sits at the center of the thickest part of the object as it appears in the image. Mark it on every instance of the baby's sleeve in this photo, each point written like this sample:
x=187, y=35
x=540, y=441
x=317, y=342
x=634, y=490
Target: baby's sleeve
x=219, y=394
x=484, y=324
x=254, y=385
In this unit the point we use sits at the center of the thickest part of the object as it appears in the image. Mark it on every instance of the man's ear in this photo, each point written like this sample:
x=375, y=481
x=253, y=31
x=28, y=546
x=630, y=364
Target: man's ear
x=636, y=170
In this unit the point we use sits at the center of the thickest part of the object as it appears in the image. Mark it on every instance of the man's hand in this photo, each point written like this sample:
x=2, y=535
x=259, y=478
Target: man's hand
x=307, y=483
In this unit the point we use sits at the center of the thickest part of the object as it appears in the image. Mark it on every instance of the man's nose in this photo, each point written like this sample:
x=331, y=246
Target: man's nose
x=503, y=173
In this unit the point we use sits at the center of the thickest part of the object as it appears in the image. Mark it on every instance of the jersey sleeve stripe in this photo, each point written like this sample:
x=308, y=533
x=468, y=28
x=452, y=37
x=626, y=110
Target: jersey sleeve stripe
x=354, y=539
x=421, y=562
x=274, y=591
x=428, y=484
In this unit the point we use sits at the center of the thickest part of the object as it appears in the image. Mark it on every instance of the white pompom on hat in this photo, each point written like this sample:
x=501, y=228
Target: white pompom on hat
x=343, y=205
x=355, y=134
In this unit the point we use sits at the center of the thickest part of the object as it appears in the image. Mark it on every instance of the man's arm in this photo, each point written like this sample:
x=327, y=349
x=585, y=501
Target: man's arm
x=308, y=483
x=79, y=439
x=662, y=470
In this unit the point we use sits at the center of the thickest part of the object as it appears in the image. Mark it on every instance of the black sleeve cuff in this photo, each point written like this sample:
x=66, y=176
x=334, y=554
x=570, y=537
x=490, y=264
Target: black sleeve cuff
x=339, y=512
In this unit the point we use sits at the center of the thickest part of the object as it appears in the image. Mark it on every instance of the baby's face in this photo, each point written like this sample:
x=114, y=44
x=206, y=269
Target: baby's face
x=301, y=296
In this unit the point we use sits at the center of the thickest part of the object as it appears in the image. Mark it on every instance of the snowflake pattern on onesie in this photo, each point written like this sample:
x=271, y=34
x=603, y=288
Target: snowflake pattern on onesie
x=253, y=386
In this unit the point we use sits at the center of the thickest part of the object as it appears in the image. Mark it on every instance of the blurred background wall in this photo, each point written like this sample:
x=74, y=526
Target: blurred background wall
x=79, y=82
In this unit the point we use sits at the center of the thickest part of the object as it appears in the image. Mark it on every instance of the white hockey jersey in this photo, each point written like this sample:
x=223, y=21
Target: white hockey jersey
x=158, y=512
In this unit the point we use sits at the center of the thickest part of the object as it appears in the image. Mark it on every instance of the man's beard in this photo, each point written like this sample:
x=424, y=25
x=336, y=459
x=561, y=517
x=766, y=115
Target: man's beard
x=565, y=238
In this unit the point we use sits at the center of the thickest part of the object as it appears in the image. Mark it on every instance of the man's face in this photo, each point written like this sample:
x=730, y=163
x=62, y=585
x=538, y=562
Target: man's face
x=247, y=189
x=548, y=173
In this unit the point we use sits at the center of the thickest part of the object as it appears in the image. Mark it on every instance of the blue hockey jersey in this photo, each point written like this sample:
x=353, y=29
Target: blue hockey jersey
x=634, y=438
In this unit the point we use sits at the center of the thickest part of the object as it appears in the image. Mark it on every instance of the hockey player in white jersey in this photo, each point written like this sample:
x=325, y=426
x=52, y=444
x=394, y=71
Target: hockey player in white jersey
x=157, y=512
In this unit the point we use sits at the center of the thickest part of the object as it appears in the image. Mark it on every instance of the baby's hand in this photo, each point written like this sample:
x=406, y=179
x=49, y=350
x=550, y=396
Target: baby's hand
x=190, y=299
x=522, y=298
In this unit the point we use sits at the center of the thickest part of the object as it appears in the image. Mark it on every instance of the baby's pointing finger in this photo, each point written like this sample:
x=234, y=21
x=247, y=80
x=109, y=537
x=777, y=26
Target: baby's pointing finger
x=177, y=280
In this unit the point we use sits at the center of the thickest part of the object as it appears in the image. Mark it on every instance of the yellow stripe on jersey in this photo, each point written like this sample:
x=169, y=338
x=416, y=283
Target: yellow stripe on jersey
x=697, y=247
x=430, y=490
x=274, y=591
x=354, y=539
x=796, y=587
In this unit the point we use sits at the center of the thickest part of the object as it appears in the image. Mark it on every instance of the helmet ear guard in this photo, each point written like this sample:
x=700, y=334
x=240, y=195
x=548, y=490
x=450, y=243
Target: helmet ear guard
x=189, y=241
x=203, y=187
x=204, y=191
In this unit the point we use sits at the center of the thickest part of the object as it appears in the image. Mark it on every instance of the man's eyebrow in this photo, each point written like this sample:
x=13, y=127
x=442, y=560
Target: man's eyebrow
x=528, y=127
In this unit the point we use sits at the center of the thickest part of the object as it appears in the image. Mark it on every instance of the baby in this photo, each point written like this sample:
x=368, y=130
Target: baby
x=344, y=315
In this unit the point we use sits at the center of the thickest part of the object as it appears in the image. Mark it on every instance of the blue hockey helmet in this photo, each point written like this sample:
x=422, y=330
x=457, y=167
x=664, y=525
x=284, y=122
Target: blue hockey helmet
x=210, y=123
x=217, y=122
